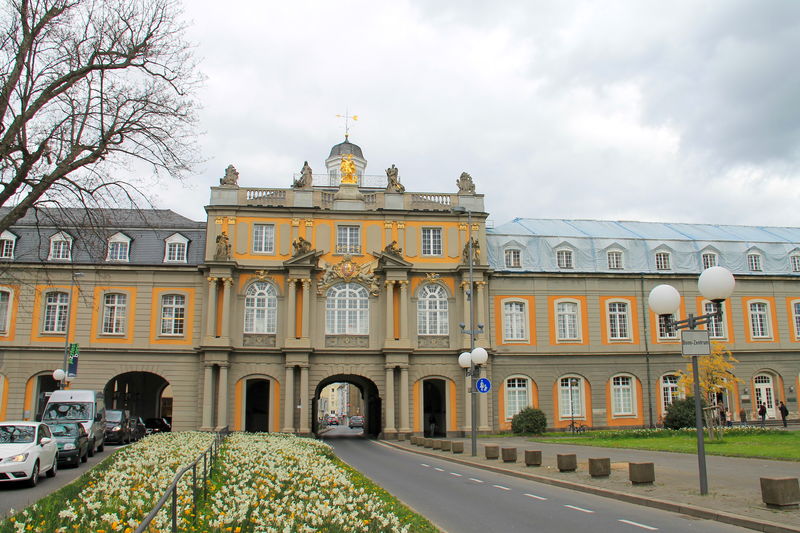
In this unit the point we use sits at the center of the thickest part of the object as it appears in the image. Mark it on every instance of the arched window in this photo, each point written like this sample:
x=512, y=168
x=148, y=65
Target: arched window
x=514, y=321
x=432, y=317
x=669, y=390
x=347, y=310
x=567, y=322
x=518, y=395
x=261, y=308
x=5, y=310
x=55, y=312
x=571, y=397
x=622, y=397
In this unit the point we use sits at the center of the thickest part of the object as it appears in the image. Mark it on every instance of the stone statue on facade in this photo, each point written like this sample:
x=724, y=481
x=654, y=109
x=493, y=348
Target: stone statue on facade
x=393, y=249
x=393, y=185
x=231, y=177
x=301, y=246
x=306, y=178
x=476, y=252
x=223, y=252
x=465, y=184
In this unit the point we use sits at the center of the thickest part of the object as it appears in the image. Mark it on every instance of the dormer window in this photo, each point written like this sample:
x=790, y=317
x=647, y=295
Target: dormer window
x=564, y=258
x=118, y=248
x=662, y=261
x=8, y=242
x=754, y=262
x=614, y=260
x=795, y=259
x=175, y=250
x=60, y=247
x=513, y=258
x=709, y=260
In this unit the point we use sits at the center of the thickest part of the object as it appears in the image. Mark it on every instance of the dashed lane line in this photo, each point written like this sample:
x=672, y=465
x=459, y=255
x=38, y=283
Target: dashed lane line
x=501, y=487
x=476, y=480
x=535, y=497
x=581, y=509
x=426, y=466
x=438, y=469
x=637, y=524
x=456, y=474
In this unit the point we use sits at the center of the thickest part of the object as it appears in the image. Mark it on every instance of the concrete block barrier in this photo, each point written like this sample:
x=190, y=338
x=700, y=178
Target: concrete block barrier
x=509, y=455
x=437, y=444
x=447, y=445
x=599, y=466
x=780, y=492
x=428, y=443
x=567, y=462
x=533, y=458
x=458, y=446
x=641, y=473
x=491, y=451
x=414, y=440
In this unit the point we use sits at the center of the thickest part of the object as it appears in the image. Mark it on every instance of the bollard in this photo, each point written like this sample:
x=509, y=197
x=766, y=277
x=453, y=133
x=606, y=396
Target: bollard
x=447, y=445
x=567, y=462
x=458, y=446
x=491, y=451
x=599, y=467
x=641, y=473
x=780, y=492
x=509, y=455
x=533, y=458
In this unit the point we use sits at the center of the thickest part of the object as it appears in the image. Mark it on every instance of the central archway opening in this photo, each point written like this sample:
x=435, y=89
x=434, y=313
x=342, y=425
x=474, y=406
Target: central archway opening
x=256, y=407
x=143, y=394
x=434, y=407
x=347, y=396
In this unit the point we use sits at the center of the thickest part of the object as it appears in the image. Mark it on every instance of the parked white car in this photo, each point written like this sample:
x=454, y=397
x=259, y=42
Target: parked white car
x=26, y=449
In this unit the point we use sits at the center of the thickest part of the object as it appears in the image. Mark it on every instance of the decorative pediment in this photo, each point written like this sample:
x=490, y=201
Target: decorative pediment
x=309, y=258
x=391, y=260
x=348, y=270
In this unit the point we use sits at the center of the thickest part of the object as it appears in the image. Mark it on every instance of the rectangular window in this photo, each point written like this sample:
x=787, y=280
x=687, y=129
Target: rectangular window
x=516, y=396
x=716, y=326
x=514, y=327
x=754, y=262
x=618, y=320
x=431, y=241
x=570, y=398
x=5, y=304
x=796, y=263
x=348, y=240
x=796, y=308
x=6, y=249
x=59, y=250
x=759, y=320
x=118, y=251
x=176, y=252
x=665, y=332
x=264, y=238
x=614, y=260
x=564, y=258
x=114, y=312
x=567, y=321
x=173, y=314
x=513, y=259
x=709, y=260
x=55, y=312
x=662, y=261
x=622, y=394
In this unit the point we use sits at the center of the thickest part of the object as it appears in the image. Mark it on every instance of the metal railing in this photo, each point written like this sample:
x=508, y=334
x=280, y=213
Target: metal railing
x=207, y=457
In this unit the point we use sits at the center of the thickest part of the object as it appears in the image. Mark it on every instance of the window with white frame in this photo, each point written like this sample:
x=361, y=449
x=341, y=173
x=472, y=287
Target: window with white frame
x=709, y=260
x=570, y=397
x=618, y=320
x=567, y=321
x=56, y=307
x=514, y=321
x=432, y=313
x=8, y=242
x=669, y=390
x=348, y=239
x=431, y=241
x=115, y=306
x=622, y=396
x=261, y=308
x=118, y=248
x=60, y=247
x=754, y=262
x=5, y=310
x=715, y=326
x=564, y=258
x=665, y=329
x=795, y=260
x=662, y=261
x=264, y=238
x=173, y=314
x=347, y=310
x=796, y=313
x=759, y=320
x=175, y=248
x=513, y=258
x=614, y=260
x=517, y=396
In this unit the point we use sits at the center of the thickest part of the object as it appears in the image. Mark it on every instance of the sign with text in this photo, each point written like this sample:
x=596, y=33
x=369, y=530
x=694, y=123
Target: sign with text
x=695, y=342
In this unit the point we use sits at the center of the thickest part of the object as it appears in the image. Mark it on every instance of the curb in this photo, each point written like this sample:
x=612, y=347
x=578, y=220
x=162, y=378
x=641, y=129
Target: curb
x=664, y=505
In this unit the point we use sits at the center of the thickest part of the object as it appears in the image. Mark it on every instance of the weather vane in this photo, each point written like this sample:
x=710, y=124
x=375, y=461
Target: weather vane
x=347, y=117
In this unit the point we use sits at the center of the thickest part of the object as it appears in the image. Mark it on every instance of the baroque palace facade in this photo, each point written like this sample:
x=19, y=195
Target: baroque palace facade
x=243, y=320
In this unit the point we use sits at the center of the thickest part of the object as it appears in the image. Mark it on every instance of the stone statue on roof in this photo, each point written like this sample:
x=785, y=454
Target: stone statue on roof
x=231, y=177
x=465, y=184
x=223, y=252
x=393, y=249
x=301, y=246
x=393, y=185
x=306, y=178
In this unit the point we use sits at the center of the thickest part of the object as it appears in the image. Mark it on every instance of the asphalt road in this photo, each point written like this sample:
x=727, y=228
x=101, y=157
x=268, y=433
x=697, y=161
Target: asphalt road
x=16, y=496
x=461, y=499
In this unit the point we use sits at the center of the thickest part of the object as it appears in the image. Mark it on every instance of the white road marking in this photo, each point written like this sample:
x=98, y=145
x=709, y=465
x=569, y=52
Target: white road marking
x=535, y=497
x=438, y=469
x=426, y=466
x=455, y=474
x=475, y=480
x=581, y=509
x=501, y=487
x=637, y=524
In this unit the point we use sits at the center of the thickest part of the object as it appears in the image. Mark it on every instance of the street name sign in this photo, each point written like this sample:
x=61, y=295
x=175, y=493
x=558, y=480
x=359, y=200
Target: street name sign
x=695, y=342
x=483, y=385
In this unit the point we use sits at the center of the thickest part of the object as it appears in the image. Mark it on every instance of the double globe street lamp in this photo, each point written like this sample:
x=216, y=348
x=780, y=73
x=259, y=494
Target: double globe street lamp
x=715, y=284
x=472, y=362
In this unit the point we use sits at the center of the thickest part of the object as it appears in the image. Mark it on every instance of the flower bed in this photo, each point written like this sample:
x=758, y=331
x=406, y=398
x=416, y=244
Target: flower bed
x=117, y=494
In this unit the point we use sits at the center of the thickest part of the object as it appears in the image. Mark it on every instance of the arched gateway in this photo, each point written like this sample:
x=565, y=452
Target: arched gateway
x=144, y=394
x=373, y=426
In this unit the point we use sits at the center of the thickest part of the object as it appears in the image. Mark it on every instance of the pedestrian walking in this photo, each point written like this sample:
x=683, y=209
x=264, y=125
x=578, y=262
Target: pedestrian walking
x=762, y=413
x=784, y=413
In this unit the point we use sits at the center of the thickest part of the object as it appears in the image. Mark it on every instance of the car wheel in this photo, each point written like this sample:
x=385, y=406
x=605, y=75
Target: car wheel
x=34, y=475
x=91, y=448
x=54, y=470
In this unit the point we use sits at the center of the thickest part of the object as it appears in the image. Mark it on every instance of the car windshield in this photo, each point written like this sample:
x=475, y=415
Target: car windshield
x=16, y=434
x=68, y=411
x=64, y=430
x=113, y=416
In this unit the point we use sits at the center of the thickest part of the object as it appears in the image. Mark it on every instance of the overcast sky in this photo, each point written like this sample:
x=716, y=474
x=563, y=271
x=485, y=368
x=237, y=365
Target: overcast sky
x=679, y=111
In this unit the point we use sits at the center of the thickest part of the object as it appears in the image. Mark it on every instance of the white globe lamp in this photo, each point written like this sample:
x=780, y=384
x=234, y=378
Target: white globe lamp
x=716, y=283
x=465, y=360
x=59, y=375
x=480, y=356
x=664, y=300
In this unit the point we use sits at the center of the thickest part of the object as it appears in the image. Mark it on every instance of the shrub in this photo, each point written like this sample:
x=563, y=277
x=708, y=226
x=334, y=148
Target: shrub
x=680, y=414
x=529, y=420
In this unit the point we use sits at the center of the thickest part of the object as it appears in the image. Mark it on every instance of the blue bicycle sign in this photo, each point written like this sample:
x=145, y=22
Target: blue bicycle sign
x=483, y=385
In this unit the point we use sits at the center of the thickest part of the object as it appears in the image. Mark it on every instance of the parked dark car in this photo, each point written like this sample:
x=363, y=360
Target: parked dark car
x=157, y=425
x=139, y=430
x=118, y=426
x=72, y=441
x=356, y=422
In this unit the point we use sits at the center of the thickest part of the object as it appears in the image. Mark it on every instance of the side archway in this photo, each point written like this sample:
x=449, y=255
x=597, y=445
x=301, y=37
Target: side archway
x=373, y=422
x=144, y=394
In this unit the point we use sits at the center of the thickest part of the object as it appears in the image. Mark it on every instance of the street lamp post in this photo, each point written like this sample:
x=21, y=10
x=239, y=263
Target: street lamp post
x=62, y=374
x=715, y=284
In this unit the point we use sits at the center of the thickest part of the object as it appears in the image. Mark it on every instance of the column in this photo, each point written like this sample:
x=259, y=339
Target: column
x=222, y=397
x=306, y=308
x=288, y=400
x=390, y=424
x=404, y=408
x=479, y=310
x=305, y=414
x=404, y=310
x=465, y=338
x=211, y=317
x=389, y=311
x=227, y=288
x=467, y=427
x=290, y=310
x=208, y=392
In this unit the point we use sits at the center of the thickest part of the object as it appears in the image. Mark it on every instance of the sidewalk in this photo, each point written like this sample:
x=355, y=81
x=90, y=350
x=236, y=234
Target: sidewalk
x=734, y=487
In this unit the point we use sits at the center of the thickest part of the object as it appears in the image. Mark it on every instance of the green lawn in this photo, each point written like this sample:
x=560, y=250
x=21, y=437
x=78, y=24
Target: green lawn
x=781, y=445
